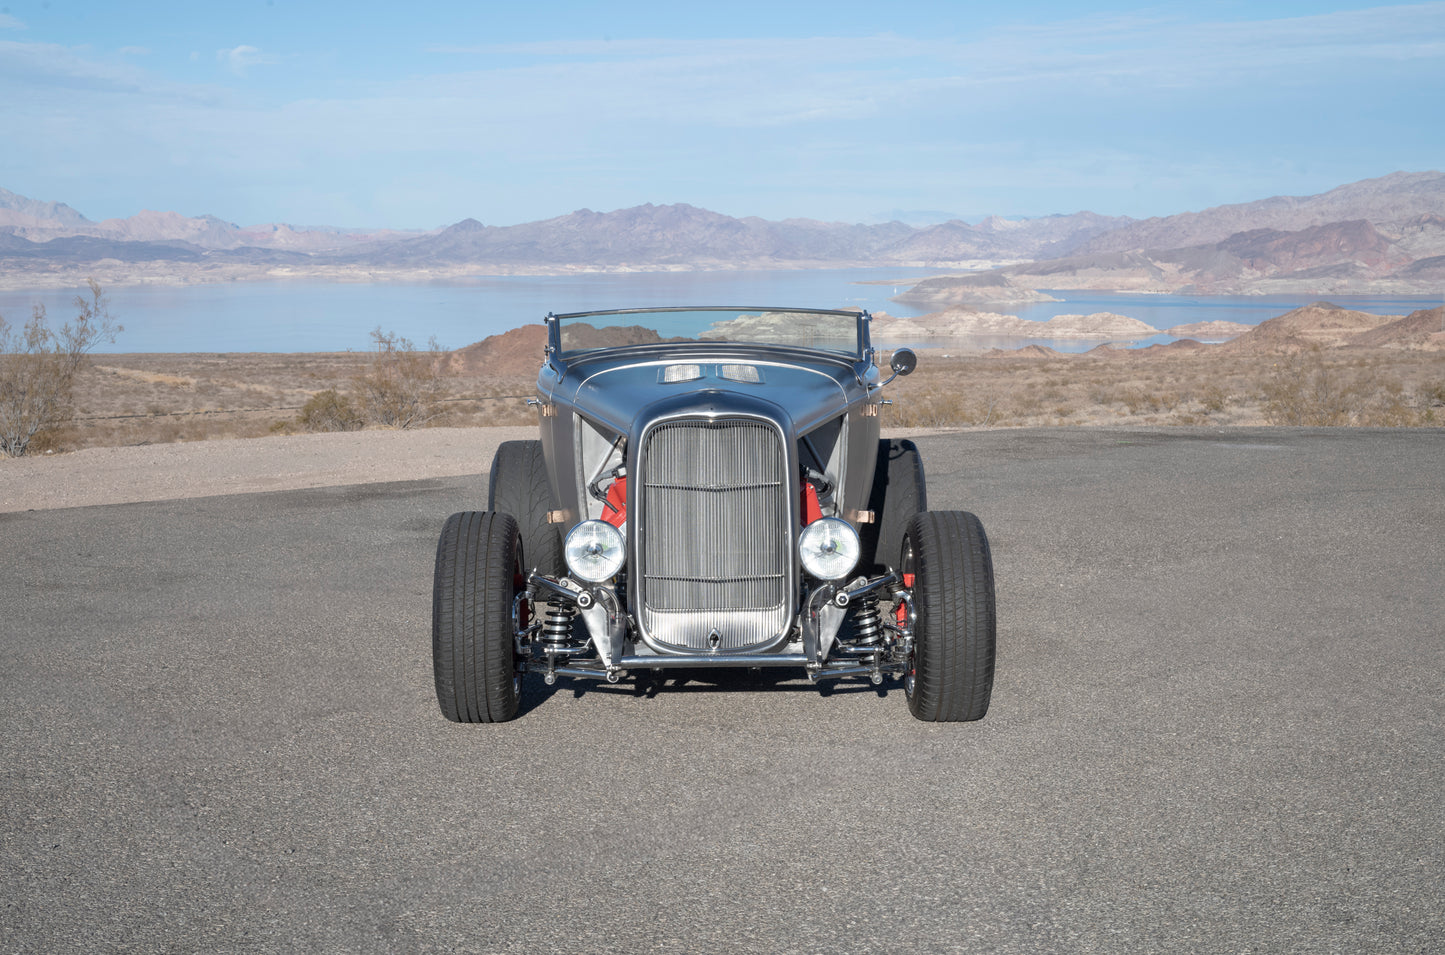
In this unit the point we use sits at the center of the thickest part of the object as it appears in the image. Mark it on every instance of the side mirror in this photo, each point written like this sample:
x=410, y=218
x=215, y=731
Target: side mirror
x=903, y=362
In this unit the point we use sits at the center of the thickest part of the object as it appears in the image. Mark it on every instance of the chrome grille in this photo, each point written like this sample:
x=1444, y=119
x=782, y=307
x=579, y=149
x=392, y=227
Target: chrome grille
x=715, y=555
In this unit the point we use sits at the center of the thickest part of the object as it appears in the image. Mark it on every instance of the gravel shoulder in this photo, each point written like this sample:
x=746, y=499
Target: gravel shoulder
x=172, y=472
x=209, y=468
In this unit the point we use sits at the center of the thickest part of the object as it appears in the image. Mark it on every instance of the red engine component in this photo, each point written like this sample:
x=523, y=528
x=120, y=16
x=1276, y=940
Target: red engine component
x=614, y=509
x=812, y=510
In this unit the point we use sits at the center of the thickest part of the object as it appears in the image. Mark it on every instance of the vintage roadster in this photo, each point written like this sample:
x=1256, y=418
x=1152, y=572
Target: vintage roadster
x=711, y=490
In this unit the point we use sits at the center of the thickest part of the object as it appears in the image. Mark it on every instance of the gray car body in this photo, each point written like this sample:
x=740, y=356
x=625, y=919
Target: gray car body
x=597, y=405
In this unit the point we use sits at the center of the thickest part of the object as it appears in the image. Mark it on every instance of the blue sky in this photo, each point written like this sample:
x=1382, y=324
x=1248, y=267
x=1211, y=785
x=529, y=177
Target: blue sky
x=418, y=115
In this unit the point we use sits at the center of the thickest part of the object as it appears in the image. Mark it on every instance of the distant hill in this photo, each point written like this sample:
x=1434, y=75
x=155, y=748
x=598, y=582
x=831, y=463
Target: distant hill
x=1356, y=256
x=1210, y=331
x=1391, y=199
x=81, y=249
x=1422, y=329
x=18, y=211
x=964, y=324
x=1321, y=323
x=976, y=288
x=517, y=351
x=998, y=238
x=45, y=222
x=1380, y=235
x=1330, y=326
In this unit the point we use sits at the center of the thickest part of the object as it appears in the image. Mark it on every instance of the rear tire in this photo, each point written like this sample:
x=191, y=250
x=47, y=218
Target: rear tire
x=899, y=491
x=950, y=677
x=478, y=574
x=518, y=486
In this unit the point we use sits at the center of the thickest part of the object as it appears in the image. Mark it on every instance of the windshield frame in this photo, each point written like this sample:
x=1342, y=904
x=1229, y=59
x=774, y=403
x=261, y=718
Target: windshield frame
x=860, y=353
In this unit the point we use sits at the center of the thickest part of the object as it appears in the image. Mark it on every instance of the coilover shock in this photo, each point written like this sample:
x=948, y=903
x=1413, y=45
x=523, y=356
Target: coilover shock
x=867, y=622
x=557, y=626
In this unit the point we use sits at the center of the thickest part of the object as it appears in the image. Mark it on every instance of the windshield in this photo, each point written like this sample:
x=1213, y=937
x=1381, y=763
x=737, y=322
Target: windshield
x=831, y=331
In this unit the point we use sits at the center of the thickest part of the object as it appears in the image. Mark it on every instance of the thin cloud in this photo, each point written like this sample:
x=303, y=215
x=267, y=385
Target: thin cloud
x=820, y=49
x=7, y=22
x=69, y=77
x=49, y=65
x=240, y=59
x=781, y=82
x=1104, y=46
x=1190, y=51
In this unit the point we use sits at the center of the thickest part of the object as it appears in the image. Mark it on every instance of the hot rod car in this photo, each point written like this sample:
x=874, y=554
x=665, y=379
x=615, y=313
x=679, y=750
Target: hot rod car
x=710, y=489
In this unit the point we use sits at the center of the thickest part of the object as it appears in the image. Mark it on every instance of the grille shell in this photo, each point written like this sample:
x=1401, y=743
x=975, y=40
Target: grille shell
x=714, y=517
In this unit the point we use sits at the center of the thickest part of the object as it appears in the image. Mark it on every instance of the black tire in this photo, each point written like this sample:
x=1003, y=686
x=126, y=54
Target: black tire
x=518, y=486
x=950, y=677
x=478, y=573
x=899, y=492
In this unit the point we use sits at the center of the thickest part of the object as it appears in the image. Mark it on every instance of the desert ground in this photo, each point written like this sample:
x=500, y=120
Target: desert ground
x=129, y=400
x=156, y=427
x=1319, y=365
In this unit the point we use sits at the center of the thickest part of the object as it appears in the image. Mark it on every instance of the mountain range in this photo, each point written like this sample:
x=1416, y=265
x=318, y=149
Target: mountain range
x=1383, y=235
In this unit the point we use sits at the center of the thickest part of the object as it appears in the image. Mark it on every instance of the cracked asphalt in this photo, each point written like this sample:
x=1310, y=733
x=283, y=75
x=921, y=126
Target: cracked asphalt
x=1216, y=727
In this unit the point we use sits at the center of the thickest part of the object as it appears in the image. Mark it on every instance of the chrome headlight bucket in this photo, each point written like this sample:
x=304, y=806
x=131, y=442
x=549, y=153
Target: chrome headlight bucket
x=829, y=548
x=594, y=551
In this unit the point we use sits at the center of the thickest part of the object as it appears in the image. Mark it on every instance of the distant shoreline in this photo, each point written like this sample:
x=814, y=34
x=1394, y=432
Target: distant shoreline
x=175, y=276
x=115, y=274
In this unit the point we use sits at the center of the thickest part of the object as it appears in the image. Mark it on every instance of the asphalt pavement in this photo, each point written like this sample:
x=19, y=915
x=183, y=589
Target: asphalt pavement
x=1216, y=727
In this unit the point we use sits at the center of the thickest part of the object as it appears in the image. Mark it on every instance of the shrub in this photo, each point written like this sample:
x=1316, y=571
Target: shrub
x=1433, y=395
x=330, y=410
x=1214, y=399
x=1139, y=401
x=38, y=367
x=1391, y=411
x=404, y=388
x=1304, y=390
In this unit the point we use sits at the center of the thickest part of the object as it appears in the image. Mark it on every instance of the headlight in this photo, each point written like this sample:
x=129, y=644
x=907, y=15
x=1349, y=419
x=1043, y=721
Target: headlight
x=829, y=548
x=594, y=551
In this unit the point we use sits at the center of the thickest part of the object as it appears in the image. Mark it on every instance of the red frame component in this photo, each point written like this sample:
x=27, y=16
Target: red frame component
x=812, y=510
x=614, y=509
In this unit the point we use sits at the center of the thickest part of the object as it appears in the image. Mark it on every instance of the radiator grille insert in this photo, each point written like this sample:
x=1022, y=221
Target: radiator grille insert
x=716, y=550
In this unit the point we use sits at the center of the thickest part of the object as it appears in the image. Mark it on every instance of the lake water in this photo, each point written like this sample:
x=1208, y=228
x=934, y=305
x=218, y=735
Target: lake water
x=324, y=316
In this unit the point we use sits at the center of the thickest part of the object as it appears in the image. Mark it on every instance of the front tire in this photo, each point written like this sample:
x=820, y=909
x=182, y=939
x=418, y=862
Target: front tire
x=478, y=574
x=950, y=675
x=518, y=486
x=899, y=491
